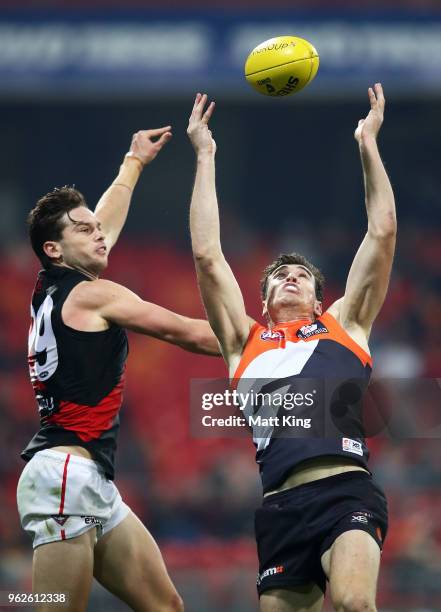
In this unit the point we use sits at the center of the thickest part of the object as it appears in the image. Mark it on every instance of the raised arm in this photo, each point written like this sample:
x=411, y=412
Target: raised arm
x=369, y=275
x=220, y=292
x=93, y=305
x=113, y=205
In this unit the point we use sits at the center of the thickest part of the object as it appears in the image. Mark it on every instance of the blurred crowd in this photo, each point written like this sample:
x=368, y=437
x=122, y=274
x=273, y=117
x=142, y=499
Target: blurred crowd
x=197, y=495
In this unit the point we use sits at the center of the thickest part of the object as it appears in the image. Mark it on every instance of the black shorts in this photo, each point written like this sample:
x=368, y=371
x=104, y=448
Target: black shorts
x=295, y=527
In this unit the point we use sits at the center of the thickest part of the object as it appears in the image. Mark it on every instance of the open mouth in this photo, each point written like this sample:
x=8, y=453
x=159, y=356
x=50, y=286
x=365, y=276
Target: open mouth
x=290, y=285
x=102, y=250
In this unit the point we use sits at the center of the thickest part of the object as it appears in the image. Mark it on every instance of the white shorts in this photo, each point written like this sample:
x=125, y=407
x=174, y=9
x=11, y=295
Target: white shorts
x=61, y=496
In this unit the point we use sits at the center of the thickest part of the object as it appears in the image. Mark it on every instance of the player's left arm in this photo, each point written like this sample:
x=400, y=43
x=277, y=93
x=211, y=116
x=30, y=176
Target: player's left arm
x=369, y=275
x=102, y=302
x=114, y=204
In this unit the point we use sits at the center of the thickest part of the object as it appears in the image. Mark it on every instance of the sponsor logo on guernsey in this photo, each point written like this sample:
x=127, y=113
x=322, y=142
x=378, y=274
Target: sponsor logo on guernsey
x=306, y=331
x=361, y=517
x=272, y=571
x=60, y=518
x=352, y=446
x=272, y=335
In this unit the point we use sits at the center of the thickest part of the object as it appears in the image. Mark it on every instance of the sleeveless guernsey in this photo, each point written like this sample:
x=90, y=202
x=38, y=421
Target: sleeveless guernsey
x=325, y=374
x=77, y=376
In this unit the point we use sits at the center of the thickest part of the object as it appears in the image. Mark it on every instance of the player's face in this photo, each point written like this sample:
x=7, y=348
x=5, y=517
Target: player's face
x=291, y=287
x=83, y=243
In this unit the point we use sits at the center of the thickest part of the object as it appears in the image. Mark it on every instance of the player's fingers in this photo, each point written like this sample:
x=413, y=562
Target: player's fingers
x=372, y=97
x=196, y=100
x=194, y=111
x=380, y=94
x=201, y=104
x=163, y=140
x=378, y=89
x=209, y=112
x=158, y=131
x=198, y=107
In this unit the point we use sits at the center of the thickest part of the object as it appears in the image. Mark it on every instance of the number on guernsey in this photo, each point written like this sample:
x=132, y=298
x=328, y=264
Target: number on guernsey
x=42, y=345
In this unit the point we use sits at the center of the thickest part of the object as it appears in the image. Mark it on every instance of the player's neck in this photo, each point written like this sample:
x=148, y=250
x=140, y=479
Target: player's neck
x=78, y=268
x=288, y=316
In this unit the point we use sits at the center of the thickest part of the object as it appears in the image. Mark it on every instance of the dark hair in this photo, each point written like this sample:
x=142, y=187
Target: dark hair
x=45, y=219
x=293, y=258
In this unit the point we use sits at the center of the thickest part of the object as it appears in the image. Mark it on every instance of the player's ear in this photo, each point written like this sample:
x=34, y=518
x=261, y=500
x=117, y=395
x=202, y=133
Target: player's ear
x=264, y=309
x=52, y=249
x=318, y=308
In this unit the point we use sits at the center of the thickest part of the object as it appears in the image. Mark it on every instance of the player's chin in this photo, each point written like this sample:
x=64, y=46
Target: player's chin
x=290, y=296
x=100, y=262
x=286, y=302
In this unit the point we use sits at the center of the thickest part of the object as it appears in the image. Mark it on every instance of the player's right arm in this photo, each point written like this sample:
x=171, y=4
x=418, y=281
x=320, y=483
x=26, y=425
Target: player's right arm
x=220, y=292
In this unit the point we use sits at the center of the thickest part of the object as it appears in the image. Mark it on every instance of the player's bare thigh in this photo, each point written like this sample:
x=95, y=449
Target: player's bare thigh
x=129, y=564
x=352, y=564
x=65, y=567
x=300, y=599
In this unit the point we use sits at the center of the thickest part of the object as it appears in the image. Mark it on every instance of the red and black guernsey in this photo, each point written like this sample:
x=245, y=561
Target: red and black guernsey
x=77, y=376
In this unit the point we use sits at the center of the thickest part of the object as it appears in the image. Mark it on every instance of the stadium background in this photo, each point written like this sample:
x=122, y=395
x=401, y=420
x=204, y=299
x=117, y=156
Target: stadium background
x=76, y=80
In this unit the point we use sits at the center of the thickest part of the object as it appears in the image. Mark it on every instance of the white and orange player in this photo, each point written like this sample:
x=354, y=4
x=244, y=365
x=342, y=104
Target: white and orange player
x=323, y=517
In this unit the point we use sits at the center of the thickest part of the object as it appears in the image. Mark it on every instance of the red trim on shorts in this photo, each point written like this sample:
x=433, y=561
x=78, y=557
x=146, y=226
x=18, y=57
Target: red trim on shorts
x=63, y=491
x=63, y=534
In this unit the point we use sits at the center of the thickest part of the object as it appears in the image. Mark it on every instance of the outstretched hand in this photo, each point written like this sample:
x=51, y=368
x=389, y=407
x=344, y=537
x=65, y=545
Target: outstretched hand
x=144, y=148
x=200, y=136
x=370, y=126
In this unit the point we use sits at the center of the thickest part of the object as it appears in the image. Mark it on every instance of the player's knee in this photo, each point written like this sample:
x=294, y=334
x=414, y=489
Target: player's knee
x=354, y=602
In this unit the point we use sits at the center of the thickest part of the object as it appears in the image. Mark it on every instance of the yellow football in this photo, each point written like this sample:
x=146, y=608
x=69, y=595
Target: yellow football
x=281, y=66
